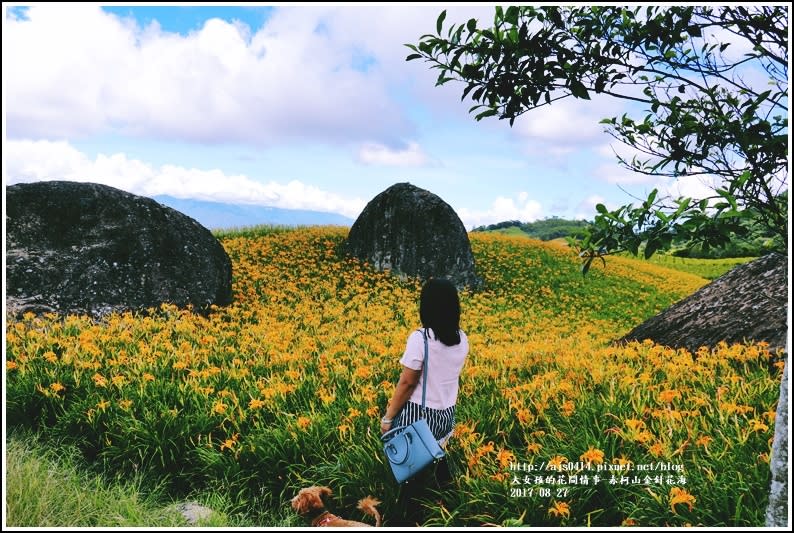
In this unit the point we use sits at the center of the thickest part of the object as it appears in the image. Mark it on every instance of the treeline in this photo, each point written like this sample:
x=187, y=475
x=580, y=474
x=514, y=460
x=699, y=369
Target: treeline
x=756, y=242
x=544, y=230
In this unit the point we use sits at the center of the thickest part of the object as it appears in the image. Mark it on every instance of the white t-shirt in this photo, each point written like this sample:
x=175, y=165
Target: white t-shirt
x=444, y=364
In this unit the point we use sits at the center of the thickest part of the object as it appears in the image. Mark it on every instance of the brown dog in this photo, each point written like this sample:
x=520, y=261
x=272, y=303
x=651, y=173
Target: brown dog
x=309, y=504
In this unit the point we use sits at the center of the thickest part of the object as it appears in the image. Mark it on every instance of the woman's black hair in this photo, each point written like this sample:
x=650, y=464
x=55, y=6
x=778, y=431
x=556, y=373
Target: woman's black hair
x=439, y=309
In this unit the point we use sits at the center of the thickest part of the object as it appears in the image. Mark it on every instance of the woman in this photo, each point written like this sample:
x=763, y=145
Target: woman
x=439, y=311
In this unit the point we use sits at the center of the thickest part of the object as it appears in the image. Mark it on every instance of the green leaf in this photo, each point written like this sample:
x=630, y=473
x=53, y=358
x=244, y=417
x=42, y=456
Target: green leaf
x=413, y=56
x=731, y=213
x=511, y=16
x=651, y=248
x=466, y=91
x=742, y=179
x=440, y=21
x=579, y=90
x=586, y=266
x=487, y=113
x=683, y=205
x=600, y=84
x=455, y=63
x=694, y=31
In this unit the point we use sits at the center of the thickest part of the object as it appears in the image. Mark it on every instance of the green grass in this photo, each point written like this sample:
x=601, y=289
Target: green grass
x=50, y=485
x=513, y=231
x=284, y=389
x=709, y=269
x=261, y=230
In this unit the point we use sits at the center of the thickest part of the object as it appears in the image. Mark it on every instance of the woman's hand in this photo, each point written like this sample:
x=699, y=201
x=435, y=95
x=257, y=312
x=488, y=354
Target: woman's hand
x=405, y=386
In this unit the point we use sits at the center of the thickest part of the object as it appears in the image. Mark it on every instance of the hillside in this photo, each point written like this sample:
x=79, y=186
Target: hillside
x=285, y=387
x=547, y=229
x=756, y=242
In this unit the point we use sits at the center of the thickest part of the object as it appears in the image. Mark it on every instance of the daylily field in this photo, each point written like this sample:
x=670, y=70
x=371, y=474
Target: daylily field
x=285, y=387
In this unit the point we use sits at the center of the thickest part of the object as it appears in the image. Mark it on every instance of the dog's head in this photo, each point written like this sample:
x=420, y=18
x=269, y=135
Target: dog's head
x=310, y=499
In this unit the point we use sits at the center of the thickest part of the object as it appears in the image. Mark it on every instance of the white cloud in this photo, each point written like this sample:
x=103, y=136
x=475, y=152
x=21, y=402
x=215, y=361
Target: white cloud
x=378, y=154
x=560, y=132
x=383, y=29
x=79, y=71
x=615, y=148
x=586, y=209
x=502, y=208
x=616, y=174
x=565, y=123
x=695, y=187
x=29, y=161
x=613, y=172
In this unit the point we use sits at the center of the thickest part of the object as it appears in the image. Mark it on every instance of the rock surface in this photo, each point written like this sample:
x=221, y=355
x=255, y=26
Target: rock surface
x=194, y=513
x=778, y=508
x=748, y=303
x=92, y=249
x=413, y=232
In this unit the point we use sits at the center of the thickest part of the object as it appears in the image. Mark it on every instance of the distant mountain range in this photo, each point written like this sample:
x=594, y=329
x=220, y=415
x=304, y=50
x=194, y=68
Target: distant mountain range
x=217, y=215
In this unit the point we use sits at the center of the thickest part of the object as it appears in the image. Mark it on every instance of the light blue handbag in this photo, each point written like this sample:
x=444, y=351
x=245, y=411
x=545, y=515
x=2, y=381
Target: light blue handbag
x=410, y=449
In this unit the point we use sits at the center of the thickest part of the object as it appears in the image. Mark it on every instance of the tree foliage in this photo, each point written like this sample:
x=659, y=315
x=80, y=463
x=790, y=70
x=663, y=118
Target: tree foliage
x=694, y=69
x=546, y=229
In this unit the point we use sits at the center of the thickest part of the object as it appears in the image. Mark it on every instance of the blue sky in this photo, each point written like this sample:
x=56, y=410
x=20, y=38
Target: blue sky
x=306, y=107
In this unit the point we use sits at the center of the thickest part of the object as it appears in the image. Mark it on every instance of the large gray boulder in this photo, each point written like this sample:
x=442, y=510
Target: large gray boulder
x=748, y=303
x=778, y=508
x=92, y=249
x=413, y=232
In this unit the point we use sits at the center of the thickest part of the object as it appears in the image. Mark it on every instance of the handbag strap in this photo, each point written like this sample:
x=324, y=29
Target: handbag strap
x=424, y=371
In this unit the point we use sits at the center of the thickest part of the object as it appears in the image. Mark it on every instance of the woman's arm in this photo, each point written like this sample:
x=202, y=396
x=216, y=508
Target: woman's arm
x=409, y=378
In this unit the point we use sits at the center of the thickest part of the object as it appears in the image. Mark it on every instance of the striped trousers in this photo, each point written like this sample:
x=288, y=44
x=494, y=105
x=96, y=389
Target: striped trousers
x=440, y=421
